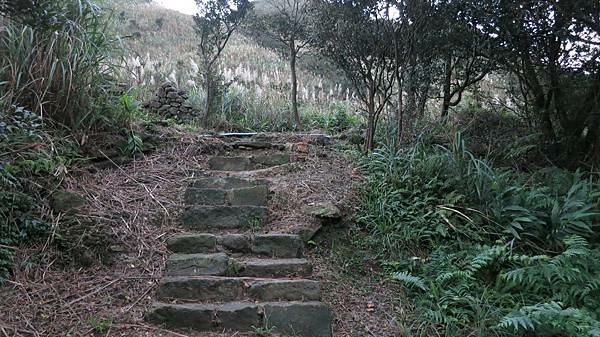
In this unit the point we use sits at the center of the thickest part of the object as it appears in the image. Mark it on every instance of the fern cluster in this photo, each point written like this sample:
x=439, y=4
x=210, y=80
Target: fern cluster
x=482, y=250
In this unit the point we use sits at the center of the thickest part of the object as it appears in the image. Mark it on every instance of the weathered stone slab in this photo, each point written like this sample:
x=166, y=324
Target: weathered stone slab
x=206, y=317
x=273, y=268
x=229, y=163
x=250, y=144
x=305, y=319
x=197, y=264
x=205, y=196
x=255, y=196
x=227, y=183
x=192, y=243
x=189, y=316
x=236, y=243
x=222, y=217
x=201, y=288
x=288, y=290
x=278, y=245
x=271, y=160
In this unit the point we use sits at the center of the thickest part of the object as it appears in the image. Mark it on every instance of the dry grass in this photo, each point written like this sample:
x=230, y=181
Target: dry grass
x=259, y=75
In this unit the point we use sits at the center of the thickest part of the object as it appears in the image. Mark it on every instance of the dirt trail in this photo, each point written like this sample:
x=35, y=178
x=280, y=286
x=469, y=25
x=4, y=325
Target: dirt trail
x=139, y=205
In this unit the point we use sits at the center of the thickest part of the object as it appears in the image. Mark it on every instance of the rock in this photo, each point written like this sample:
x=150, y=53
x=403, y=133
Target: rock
x=66, y=202
x=306, y=232
x=306, y=319
x=319, y=139
x=192, y=243
x=325, y=210
x=197, y=264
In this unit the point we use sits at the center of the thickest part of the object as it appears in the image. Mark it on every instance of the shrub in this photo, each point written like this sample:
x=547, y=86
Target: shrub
x=57, y=66
x=483, y=250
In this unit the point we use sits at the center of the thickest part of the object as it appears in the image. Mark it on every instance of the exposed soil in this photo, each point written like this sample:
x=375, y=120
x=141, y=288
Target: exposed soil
x=135, y=207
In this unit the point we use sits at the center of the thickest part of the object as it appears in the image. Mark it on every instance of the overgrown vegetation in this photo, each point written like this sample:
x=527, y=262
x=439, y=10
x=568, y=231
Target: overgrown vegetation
x=483, y=250
x=55, y=91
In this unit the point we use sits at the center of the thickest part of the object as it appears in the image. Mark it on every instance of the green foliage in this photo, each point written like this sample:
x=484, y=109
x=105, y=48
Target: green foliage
x=98, y=324
x=53, y=60
x=485, y=250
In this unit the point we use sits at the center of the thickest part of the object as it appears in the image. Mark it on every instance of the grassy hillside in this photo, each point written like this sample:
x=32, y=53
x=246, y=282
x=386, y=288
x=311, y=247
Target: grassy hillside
x=160, y=45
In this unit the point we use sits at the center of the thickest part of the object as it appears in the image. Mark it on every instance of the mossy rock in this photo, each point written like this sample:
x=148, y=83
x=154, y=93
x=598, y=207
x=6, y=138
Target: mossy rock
x=66, y=202
x=326, y=210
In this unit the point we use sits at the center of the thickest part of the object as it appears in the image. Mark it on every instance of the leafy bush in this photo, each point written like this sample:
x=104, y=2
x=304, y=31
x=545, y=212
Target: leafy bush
x=53, y=60
x=485, y=251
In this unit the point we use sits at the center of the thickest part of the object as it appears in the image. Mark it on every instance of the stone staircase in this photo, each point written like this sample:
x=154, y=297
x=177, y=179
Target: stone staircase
x=221, y=276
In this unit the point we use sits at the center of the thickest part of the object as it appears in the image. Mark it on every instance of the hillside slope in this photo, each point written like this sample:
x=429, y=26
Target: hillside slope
x=160, y=45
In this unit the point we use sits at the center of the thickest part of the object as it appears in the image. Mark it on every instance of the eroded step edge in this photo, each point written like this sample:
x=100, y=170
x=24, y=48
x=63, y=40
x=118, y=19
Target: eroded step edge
x=223, y=217
x=248, y=163
x=219, y=264
x=272, y=244
x=250, y=196
x=220, y=289
x=305, y=319
x=227, y=183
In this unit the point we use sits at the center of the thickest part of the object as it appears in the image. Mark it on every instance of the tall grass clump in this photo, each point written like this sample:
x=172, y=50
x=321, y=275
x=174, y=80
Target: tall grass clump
x=54, y=65
x=485, y=251
x=53, y=60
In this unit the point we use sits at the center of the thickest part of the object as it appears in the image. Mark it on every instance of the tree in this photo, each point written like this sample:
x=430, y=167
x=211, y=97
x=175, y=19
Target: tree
x=462, y=50
x=356, y=36
x=215, y=23
x=285, y=24
x=553, y=47
x=409, y=42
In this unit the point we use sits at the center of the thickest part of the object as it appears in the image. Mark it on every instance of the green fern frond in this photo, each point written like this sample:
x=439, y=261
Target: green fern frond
x=410, y=280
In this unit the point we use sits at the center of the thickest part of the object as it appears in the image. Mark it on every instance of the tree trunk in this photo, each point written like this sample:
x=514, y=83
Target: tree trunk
x=208, y=90
x=370, y=136
x=399, y=112
x=208, y=87
x=294, y=94
x=447, y=86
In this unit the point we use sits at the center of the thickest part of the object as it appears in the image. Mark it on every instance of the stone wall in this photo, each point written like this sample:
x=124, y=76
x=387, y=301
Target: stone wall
x=172, y=103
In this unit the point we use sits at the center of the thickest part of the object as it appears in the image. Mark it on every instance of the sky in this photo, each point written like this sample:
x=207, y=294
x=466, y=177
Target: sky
x=183, y=6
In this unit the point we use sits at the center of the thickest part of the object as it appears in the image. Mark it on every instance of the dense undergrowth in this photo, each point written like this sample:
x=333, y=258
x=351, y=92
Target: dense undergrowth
x=482, y=250
x=57, y=101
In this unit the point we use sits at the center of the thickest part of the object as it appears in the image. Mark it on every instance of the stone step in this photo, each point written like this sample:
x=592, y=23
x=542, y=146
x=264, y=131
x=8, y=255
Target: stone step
x=272, y=244
x=219, y=264
x=251, y=196
x=304, y=319
x=223, y=217
x=248, y=163
x=220, y=289
x=274, y=268
x=227, y=183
